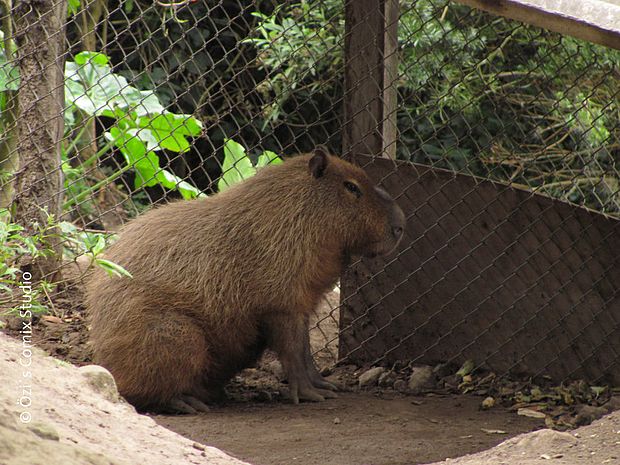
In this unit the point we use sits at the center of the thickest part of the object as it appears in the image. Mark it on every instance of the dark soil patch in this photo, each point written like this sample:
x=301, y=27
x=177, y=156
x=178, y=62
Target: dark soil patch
x=62, y=334
x=355, y=429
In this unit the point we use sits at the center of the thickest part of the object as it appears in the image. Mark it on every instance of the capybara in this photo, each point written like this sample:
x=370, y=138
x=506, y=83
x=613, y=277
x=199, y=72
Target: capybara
x=218, y=280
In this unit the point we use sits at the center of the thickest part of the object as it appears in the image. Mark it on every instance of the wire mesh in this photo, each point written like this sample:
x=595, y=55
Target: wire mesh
x=157, y=93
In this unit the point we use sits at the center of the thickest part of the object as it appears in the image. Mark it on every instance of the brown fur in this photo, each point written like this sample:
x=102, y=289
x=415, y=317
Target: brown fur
x=217, y=280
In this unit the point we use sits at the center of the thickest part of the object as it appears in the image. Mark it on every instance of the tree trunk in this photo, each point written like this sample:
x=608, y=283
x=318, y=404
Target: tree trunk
x=40, y=38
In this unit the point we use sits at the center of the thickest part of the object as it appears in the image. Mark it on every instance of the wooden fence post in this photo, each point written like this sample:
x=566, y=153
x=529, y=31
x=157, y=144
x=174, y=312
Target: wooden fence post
x=371, y=70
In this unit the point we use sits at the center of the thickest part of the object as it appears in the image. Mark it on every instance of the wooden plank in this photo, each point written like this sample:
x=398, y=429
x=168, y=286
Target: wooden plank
x=390, y=77
x=596, y=21
x=371, y=67
x=518, y=282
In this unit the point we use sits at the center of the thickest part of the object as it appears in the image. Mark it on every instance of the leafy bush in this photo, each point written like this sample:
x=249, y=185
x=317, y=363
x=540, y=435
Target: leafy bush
x=13, y=247
x=477, y=93
x=9, y=77
x=141, y=125
x=77, y=243
x=16, y=247
x=298, y=44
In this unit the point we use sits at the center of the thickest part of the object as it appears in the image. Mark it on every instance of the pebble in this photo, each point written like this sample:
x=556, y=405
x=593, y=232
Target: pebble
x=102, y=381
x=370, y=377
x=386, y=379
x=421, y=378
x=400, y=385
x=488, y=403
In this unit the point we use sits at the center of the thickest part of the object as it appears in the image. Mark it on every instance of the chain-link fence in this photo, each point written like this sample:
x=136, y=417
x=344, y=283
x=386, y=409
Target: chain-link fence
x=168, y=100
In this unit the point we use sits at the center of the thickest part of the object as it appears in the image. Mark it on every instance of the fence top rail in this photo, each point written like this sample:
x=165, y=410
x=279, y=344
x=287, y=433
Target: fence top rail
x=596, y=21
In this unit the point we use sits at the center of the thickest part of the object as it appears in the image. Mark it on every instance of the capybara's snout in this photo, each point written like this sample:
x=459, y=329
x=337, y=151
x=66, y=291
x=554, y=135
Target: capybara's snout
x=395, y=224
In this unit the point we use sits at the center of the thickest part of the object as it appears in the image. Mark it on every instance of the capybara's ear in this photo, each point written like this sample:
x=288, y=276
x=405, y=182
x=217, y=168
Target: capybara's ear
x=319, y=161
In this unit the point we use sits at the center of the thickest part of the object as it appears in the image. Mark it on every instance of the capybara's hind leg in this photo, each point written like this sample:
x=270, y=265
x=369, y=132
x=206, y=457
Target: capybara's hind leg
x=158, y=363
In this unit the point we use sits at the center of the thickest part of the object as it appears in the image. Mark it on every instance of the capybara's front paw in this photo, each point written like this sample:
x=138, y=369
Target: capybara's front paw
x=311, y=394
x=319, y=382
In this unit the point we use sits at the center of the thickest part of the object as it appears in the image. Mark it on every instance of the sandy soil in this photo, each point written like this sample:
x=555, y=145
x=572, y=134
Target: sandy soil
x=52, y=413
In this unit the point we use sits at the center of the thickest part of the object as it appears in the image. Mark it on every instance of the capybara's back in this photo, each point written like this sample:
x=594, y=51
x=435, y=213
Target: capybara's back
x=218, y=280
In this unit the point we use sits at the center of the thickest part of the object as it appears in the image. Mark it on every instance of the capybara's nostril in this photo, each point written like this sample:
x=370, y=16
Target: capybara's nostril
x=398, y=231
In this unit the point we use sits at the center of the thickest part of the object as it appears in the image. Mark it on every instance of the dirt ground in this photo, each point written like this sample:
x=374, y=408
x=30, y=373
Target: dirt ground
x=378, y=427
x=355, y=429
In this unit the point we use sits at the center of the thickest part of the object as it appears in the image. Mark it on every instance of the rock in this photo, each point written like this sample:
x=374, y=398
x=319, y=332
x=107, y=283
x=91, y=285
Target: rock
x=443, y=369
x=586, y=414
x=263, y=396
x=421, y=378
x=370, y=377
x=12, y=322
x=487, y=403
x=613, y=404
x=451, y=382
x=400, y=385
x=386, y=379
x=92, y=430
x=336, y=421
x=544, y=439
x=102, y=381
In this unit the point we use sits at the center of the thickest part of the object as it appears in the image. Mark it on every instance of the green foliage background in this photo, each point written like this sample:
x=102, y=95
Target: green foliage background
x=477, y=93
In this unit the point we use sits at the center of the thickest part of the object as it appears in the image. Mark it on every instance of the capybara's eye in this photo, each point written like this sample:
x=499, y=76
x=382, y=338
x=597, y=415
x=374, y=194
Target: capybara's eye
x=353, y=188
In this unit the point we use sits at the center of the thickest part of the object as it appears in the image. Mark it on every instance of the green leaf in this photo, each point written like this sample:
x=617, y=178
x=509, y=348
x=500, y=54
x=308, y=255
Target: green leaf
x=598, y=390
x=144, y=162
x=128, y=6
x=171, y=181
x=171, y=130
x=466, y=369
x=96, y=58
x=185, y=125
x=73, y=6
x=9, y=75
x=112, y=268
x=103, y=92
x=142, y=128
x=268, y=157
x=98, y=246
x=5, y=288
x=144, y=102
x=236, y=165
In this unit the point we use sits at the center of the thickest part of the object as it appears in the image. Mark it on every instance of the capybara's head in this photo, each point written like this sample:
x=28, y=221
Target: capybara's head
x=369, y=220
